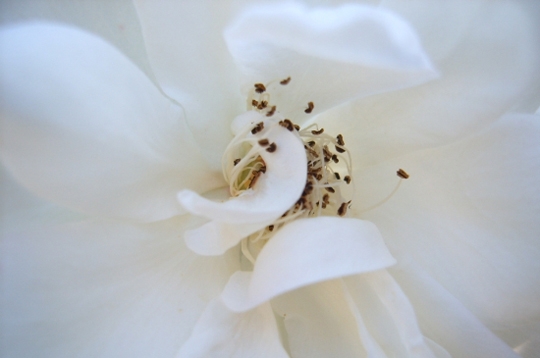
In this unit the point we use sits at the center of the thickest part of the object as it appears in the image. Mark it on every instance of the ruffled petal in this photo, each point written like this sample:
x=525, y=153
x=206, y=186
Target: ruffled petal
x=104, y=289
x=273, y=194
x=190, y=61
x=307, y=251
x=82, y=126
x=468, y=216
x=487, y=54
x=331, y=54
x=222, y=333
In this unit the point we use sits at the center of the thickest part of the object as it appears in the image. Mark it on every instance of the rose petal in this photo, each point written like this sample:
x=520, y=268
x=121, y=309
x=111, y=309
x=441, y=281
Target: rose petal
x=274, y=193
x=82, y=126
x=388, y=314
x=331, y=54
x=103, y=289
x=487, y=54
x=319, y=323
x=190, y=60
x=468, y=216
x=445, y=319
x=220, y=332
x=306, y=251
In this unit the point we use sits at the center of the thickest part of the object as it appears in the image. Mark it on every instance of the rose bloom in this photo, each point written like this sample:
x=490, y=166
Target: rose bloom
x=196, y=208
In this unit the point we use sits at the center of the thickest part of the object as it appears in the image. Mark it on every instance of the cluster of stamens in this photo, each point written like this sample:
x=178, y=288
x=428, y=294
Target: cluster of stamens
x=328, y=165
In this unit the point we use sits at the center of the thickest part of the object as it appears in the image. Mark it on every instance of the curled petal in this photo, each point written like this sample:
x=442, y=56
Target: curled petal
x=82, y=126
x=368, y=49
x=306, y=251
x=274, y=193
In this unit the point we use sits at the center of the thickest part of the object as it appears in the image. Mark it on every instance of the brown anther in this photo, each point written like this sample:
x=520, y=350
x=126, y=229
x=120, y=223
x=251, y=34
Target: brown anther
x=271, y=112
x=402, y=174
x=263, y=142
x=323, y=205
x=310, y=107
x=236, y=161
x=259, y=88
x=327, y=152
x=258, y=127
x=262, y=105
x=335, y=158
x=254, y=103
x=271, y=148
x=347, y=179
x=285, y=81
x=297, y=127
x=330, y=189
x=319, y=176
x=320, y=131
x=263, y=169
x=326, y=198
x=287, y=124
x=271, y=228
x=337, y=175
x=311, y=143
x=342, y=209
x=340, y=140
x=340, y=150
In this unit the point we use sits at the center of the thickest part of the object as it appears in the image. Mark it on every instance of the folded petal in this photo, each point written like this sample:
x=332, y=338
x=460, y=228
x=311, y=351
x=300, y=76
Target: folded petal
x=222, y=333
x=273, y=194
x=307, y=251
x=82, y=126
x=104, y=289
x=190, y=61
x=468, y=216
x=331, y=54
x=487, y=53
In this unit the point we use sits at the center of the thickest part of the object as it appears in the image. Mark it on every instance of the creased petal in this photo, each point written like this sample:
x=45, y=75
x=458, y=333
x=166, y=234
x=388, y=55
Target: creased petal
x=190, y=61
x=82, y=126
x=104, y=289
x=273, y=194
x=331, y=54
x=307, y=251
x=222, y=333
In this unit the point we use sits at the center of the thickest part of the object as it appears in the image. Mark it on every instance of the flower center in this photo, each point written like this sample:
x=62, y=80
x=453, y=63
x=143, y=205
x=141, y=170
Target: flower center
x=328, y=186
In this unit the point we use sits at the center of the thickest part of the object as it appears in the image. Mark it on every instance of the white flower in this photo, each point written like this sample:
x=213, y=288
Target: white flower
x=83, y=127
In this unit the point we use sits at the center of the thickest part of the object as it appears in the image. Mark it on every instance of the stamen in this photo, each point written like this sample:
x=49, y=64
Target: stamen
x=259, y=88
x=272, y=148
x=310, y=107
x=327, y=172
x=402, y=174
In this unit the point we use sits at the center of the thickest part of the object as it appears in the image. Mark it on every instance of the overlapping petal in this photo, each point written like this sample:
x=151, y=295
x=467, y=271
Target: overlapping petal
x=480, y=197
x=190, y=61
x=83, y=126
x=307, y=251
x=487, y=54
x=368, y=49
x=102, y=288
